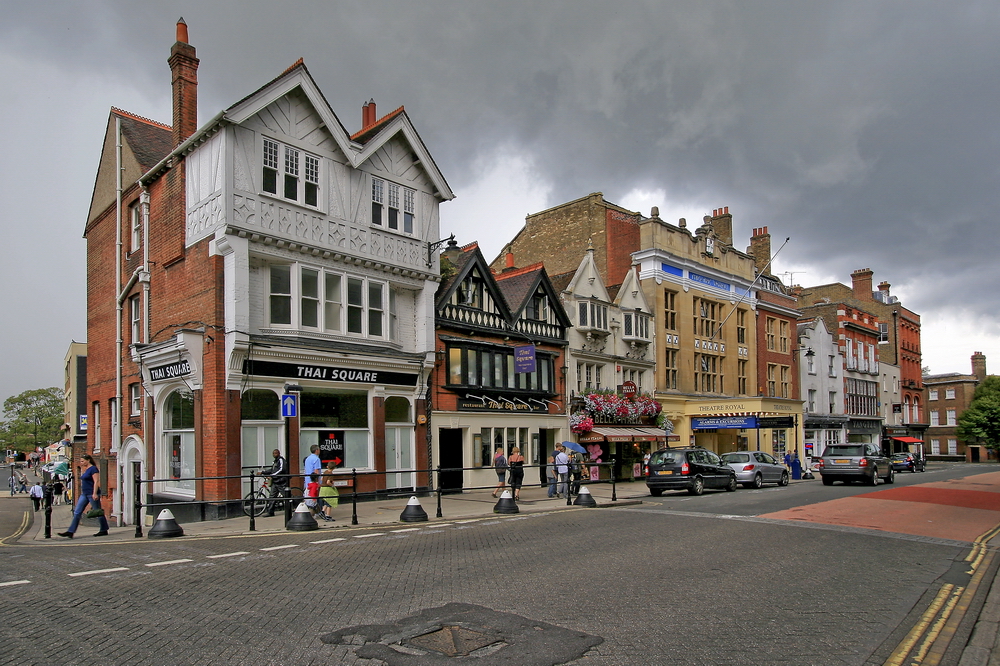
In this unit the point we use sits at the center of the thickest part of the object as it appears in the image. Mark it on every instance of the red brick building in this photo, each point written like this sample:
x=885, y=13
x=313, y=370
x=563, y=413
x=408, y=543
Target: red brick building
x=266, y=252
x=948, y=395
x=897, y=344
x=856, y=333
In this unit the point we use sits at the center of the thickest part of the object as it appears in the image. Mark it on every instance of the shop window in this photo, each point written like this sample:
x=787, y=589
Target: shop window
x=336, y=421
x=178, y=440
x=260, y=405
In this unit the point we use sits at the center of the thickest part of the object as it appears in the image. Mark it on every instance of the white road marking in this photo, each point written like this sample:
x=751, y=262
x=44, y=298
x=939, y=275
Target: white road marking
x=290, y=545
x=329, y=540
x=15, y=582
x=365, y=536
x=98, y=571
x=165, y=563
x=239, y=552
x=408, y=529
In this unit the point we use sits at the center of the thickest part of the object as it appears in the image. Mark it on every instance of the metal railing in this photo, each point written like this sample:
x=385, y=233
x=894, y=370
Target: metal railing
x=289, y=499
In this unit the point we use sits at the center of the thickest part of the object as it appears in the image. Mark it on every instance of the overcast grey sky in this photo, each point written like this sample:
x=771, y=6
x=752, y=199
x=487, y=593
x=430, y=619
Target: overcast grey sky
x=866, y=131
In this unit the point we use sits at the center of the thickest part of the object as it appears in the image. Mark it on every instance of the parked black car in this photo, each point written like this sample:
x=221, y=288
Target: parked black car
x=691, y=468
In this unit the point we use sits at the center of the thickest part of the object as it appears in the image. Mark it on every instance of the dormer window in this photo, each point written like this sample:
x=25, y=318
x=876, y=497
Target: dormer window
x=538, y=309
x=386, y=210
x=290, y=173
x=470, y=293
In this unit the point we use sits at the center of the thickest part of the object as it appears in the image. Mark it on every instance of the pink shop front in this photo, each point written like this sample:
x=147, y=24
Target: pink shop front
x=625, y=446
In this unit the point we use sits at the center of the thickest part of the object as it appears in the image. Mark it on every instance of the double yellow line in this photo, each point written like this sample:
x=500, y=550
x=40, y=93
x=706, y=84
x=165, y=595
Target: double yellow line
x=25, y=521
x=927, y=641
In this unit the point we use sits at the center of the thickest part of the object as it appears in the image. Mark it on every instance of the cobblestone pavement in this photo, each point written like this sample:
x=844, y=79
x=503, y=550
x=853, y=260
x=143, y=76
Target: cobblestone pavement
x=655, y=587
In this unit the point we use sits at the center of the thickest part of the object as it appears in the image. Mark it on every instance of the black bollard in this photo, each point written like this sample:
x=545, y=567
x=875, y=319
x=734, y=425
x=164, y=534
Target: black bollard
x=47, y=498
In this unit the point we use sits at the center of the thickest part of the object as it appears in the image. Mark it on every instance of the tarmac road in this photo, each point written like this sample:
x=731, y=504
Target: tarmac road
x=676, y=580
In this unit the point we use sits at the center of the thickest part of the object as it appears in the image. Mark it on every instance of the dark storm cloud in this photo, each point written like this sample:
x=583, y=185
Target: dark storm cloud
x=865, y=131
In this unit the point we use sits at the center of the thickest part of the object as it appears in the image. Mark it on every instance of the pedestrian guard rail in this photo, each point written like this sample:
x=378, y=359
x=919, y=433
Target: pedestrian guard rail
x=292, y=494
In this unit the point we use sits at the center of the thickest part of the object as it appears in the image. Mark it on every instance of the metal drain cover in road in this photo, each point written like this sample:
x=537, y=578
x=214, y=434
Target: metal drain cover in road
x=465, y=633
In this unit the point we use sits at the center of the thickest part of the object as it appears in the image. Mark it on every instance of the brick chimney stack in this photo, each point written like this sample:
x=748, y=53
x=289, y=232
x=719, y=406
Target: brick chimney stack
x=979, y=366
x=760, y=248
x=184, y=82
x=862, y=284
x=722, y=222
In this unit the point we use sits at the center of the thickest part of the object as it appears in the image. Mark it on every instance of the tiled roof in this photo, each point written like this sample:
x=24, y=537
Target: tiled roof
x=149, y=140
x=561, y=281
x=366, y=133
x=517, y=283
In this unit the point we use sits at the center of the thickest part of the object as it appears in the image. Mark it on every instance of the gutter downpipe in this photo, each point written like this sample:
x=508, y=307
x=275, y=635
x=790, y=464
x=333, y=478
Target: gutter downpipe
x=116, y=420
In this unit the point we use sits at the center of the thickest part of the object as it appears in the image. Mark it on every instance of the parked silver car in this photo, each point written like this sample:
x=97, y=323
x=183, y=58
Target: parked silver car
x=755, y=468
x=855, y=462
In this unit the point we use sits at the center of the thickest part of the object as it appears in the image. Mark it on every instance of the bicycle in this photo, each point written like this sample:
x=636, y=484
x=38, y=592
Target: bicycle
x=255, y=502
x=260, y=499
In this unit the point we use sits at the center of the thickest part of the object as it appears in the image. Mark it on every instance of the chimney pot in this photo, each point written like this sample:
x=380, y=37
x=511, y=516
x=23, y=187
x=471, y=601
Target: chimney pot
x=509, y=259
x=726, y=211
x=182, y=31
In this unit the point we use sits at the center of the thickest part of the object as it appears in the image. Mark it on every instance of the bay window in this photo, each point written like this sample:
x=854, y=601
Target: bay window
x=314, y=299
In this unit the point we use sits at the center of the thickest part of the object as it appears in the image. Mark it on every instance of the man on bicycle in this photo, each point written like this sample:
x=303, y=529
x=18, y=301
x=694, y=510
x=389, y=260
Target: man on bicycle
x=279, y=480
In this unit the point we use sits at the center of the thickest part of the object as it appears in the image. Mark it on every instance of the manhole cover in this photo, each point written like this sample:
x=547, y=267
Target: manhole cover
x=453, y=641
x=465, y=633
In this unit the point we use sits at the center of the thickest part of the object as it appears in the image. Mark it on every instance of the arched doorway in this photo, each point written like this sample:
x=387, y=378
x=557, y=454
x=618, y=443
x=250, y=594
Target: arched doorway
x=131, y=463
x=398, y=443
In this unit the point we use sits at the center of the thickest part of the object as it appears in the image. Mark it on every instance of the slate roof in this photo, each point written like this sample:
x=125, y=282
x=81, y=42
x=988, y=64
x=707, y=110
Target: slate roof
x=518, y=283
x=149, y=140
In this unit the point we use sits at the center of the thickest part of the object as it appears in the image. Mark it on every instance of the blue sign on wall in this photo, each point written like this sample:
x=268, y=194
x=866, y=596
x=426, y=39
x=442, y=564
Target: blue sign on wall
x=524, y=358
x=723, y=422
x=724, y=286
x=672, y=270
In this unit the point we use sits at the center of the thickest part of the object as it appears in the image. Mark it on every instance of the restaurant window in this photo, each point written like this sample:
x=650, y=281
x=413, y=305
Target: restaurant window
x=178, y=441
x=338, y=422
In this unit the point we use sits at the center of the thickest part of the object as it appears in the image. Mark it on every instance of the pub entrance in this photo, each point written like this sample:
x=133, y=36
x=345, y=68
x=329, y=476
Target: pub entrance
x=450, y=450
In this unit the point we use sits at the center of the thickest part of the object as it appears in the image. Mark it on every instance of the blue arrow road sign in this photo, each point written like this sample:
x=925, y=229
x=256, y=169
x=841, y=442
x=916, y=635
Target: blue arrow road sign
x=289, y=405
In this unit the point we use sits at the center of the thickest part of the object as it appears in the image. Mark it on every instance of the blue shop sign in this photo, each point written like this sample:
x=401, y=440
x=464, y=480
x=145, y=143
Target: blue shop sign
x=717, y=284
x=722, y=422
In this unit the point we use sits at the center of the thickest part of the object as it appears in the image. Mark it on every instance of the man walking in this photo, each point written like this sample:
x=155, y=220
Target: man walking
x=36, y=493
x=312, y=464
x=279, y=480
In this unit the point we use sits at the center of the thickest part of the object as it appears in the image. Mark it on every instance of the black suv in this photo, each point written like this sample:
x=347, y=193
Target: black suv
x=691, y=468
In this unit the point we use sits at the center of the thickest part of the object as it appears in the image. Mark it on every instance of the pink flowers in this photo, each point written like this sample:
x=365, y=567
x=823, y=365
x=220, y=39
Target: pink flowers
x=612, y=405
x=580, y=423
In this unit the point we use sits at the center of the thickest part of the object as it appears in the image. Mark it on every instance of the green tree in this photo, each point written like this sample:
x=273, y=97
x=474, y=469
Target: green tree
x=981, y=421
x=33, y=417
